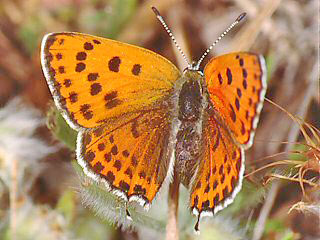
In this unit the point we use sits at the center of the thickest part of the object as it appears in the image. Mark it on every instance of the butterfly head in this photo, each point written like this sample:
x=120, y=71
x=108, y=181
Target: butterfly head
x=192, y=73
x=193, y=68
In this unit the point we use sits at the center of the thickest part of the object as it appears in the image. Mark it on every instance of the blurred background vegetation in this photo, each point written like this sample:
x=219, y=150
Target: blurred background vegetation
x=43, y=193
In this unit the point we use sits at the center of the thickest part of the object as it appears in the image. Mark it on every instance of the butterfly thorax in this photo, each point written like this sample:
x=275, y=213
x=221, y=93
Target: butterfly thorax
x=190, y=99
x=191, y=104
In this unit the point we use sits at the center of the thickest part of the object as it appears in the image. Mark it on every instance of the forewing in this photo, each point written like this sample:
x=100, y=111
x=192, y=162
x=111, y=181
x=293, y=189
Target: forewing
x=237, y=84
x=219, y=175
x=93, y=79
x=131, y=158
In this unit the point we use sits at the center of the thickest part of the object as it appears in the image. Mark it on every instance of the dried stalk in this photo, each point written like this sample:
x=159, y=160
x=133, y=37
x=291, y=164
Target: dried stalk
x=172, y=229
x=13, y=199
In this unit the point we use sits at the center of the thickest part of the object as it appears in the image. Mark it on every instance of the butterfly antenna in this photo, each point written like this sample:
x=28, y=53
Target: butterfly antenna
x=160, y=18
x=239, y=18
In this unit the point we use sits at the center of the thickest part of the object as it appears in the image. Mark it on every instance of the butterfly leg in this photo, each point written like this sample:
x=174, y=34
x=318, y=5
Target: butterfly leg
x=128, y=213
x=196, y=227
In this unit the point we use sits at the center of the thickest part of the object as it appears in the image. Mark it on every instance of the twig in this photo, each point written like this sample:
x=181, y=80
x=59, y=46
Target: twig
x=13, y=199
x=293, y=180
x=259, y=227
x=172, y=230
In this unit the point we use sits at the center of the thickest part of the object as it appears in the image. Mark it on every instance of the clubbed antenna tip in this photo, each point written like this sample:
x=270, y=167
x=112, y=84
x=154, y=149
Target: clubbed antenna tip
x=155, y=11
x=241, y=16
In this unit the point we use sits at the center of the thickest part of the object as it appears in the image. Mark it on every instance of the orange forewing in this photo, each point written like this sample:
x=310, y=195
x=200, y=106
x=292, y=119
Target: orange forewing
x=93, y=79
x=236, y=85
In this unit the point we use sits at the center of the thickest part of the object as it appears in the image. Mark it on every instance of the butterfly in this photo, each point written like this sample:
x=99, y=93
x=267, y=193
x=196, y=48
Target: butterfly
x=139, y=118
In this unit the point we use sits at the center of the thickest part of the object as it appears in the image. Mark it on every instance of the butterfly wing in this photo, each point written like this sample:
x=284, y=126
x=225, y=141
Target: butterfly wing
x=95, y=80
x=237, y=84
x=219, y=175
x=115, y=95
x=131, y=158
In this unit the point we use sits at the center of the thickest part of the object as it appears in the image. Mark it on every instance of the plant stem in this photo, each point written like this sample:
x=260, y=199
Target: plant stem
x=13, y=199
x=172, y=230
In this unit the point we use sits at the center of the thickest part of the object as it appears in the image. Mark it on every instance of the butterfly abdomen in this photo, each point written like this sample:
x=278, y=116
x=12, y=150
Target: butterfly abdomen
x=187, y=151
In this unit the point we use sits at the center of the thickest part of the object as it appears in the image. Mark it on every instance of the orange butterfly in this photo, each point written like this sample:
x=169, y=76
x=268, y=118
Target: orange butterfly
x=138, y=117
